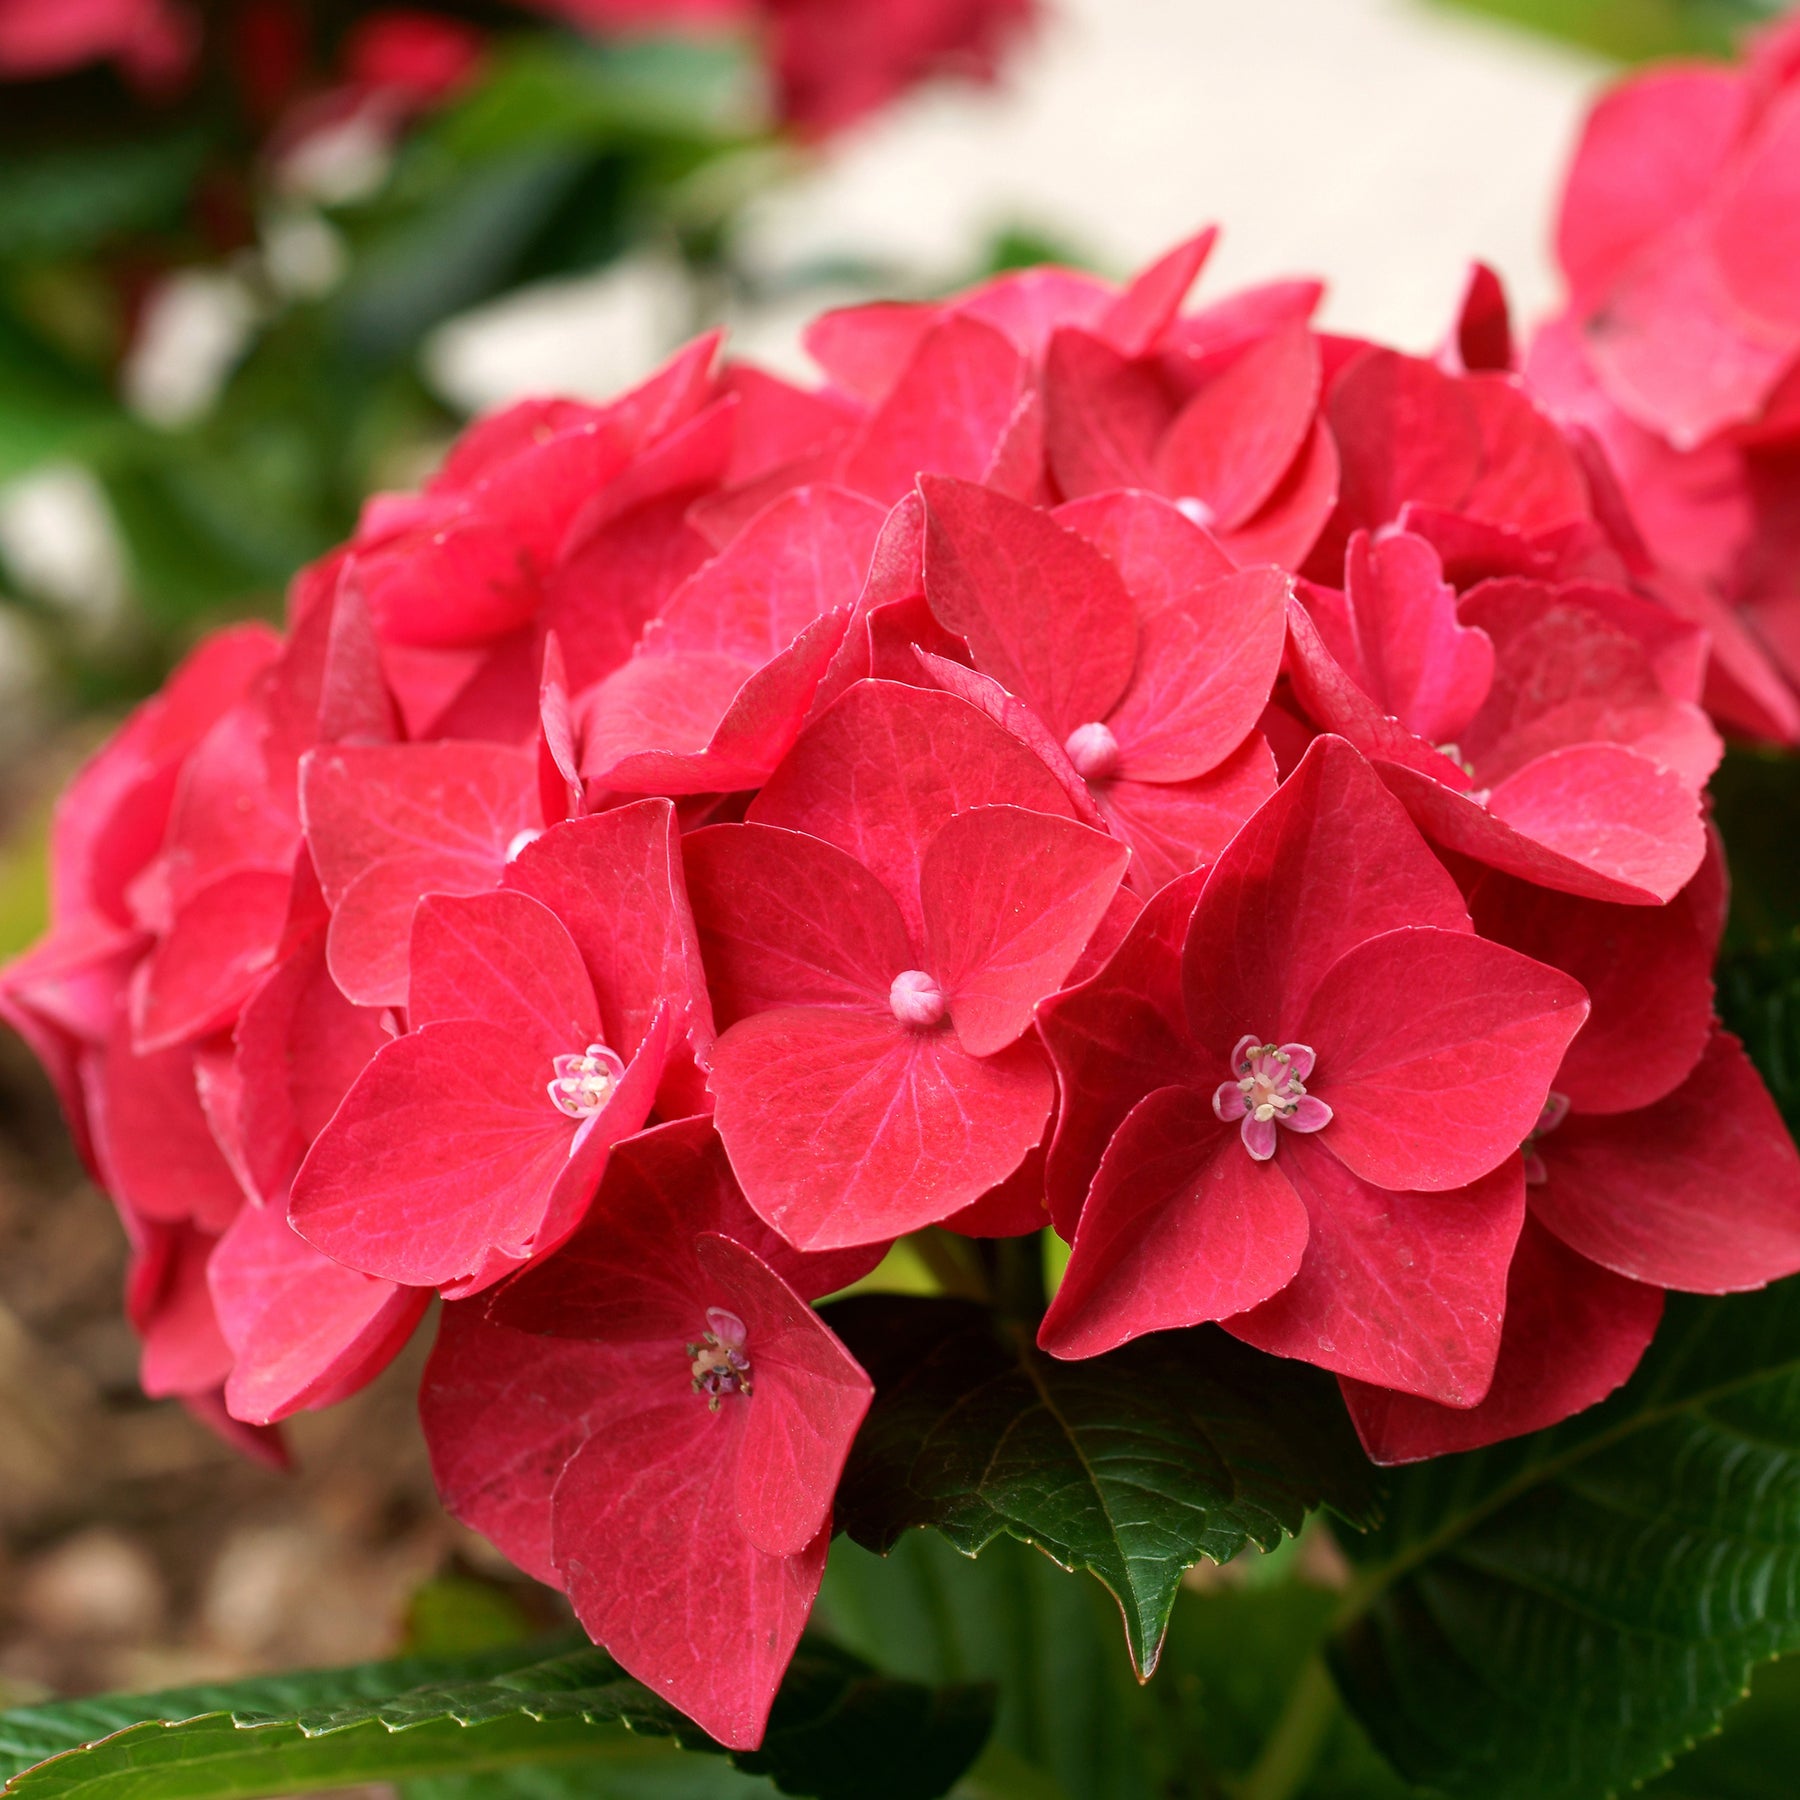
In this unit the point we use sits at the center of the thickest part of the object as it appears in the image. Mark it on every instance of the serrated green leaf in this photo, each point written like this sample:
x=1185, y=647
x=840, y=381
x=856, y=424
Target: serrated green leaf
x=1557, y=1617
x=1134, y=1465
x=499, y=1709
x=1757, y=1752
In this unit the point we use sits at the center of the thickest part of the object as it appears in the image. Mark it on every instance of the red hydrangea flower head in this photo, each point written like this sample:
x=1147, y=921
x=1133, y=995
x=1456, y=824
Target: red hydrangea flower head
x=1233, y=793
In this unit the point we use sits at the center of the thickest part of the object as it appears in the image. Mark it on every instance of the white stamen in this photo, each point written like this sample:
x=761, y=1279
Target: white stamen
x=583, y=1084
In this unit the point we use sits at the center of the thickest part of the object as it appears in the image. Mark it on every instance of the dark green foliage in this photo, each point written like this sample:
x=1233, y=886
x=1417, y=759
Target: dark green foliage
x=1556, y=1618
x=1134, y=1465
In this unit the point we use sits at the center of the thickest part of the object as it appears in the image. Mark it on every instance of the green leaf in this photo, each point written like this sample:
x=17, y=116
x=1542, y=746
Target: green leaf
x=1759, y=999
x=458, y=246
x=632, y=1769
x=1634, y=30
x=1134, y=1465
x=48, y=407
x=1756, y=799
x=455, y=1615
x=57, y=202
x=497, y=1710
x=1757, y=1752
x=1073, y=1724
x=1069, y=1725
x=585, y=94
x=1557, y=1617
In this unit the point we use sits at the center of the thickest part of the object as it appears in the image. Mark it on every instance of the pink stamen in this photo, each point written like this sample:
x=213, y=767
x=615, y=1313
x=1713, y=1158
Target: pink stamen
x=917, y=999
x=1093, y=750
x=719, y=1364
x=1268, y=1089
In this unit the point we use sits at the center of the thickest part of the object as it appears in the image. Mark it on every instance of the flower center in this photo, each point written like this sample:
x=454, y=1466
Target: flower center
x=583, y=1084
x=916, y=998
x=1268, y=1089
x=1556, y=1109
x=718, y=1364
x=1093, y=750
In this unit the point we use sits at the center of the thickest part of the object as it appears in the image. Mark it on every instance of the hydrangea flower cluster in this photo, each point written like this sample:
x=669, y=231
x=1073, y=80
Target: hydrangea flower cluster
x=1228, y=792
x=1678, y=351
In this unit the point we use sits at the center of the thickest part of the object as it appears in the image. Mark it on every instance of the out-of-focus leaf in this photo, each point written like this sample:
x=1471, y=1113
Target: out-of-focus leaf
x=24, y=883
x=57, y=202
x=1756, y=801
x=452, y=251
x=456, y=1615
x=1069, y=1708
x=1633, y=30
x=577, y=93
x=1073, y=1724
x=180, y=570
x=48, y=407
x=630, y=1768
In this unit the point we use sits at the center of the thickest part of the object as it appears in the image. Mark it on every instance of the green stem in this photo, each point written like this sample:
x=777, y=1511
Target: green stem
x=1293, y=1746
x=1017, y=1276
x=949, y=1260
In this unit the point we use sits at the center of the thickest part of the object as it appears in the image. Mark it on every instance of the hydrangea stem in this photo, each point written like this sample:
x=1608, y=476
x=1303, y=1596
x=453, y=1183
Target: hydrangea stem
x=1016, y=1275
x=1293, y=1747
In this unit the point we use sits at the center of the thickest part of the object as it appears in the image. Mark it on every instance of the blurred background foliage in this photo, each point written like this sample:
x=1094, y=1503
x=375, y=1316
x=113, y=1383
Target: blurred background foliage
x=226, y=331
x=1634, y=30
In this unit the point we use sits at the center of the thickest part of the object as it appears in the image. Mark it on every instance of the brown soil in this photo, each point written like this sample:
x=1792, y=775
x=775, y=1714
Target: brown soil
x=137, y=1550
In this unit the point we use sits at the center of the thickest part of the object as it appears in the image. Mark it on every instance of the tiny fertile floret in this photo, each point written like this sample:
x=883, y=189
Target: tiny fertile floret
x=719, y=1364
x=1267, y=1089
